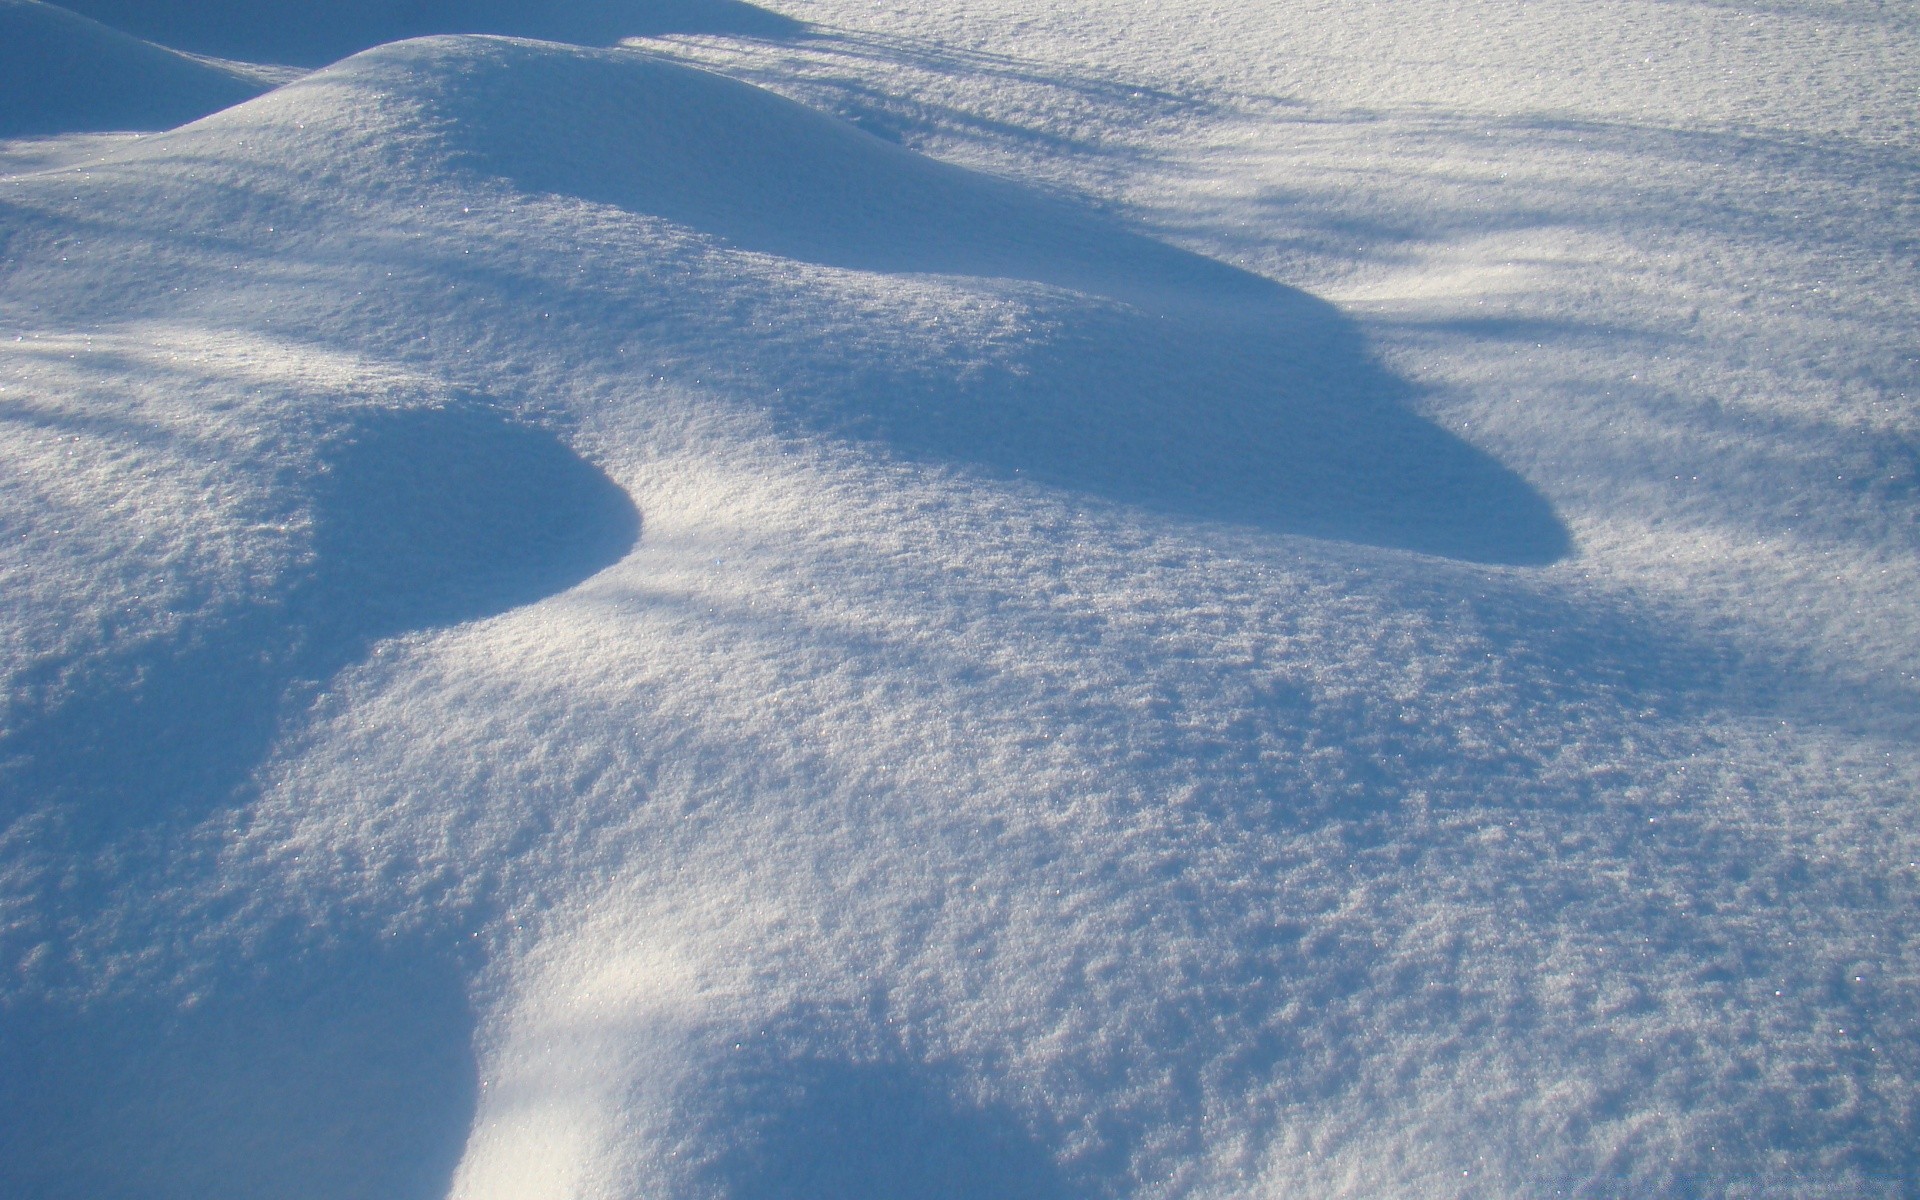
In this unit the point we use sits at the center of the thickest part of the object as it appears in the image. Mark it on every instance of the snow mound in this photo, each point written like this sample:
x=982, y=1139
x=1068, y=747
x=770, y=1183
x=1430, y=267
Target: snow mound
x=63, y=73
x=407, y=519
x=418, y=519
x=316, y=34
x=1142, y=373
x=1045, y=745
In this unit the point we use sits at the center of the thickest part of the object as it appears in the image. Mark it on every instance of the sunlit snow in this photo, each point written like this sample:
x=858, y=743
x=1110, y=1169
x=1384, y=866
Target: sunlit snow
x=621, y=599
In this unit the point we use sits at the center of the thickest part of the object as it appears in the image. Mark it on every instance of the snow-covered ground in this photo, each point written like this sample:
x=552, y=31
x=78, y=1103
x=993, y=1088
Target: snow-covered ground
x=1131, y=600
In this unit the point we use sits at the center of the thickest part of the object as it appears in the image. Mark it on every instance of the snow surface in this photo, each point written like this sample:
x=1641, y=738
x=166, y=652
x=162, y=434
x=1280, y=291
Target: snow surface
x=60, y=73
x=1135, y=600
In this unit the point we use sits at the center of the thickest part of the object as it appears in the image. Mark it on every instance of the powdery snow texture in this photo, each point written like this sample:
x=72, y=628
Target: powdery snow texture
x=1143, y=601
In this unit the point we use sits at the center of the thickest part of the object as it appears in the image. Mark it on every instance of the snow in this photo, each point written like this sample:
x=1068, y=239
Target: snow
x=315, y=35
x=60, y=73
x=986, y=600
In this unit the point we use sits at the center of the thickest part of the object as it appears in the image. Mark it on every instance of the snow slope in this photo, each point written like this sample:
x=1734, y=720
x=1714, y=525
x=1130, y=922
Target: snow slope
x=580, y=627
x=61, y=73
x=313, y=35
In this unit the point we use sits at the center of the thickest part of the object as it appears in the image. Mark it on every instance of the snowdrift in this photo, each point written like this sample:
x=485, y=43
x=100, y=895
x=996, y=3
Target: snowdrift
x=580, y=629
x=418, y=519
x=62, y=73
x=313, y=35
x=1164, y=378
x=1092, y=363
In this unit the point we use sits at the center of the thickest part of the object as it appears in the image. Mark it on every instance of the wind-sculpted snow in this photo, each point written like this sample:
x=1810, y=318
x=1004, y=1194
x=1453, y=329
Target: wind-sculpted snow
x=1150, y=375
x=231, y=1083
x=61, y=73
x=1083, y=720
x=418, y=518
x=313, y=35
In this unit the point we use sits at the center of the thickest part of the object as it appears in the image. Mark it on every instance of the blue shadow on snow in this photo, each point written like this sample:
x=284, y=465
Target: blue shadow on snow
x=343, y=1073
x=61, y=73
x=1161, y=378
x=784, y=1125
x=328, y=1071
x=422, y=518
x=307, y=34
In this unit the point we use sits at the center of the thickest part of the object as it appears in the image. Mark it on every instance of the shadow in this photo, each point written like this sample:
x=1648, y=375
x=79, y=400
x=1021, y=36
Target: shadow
x=338, y=1074
x=435, y=516
x=829, y=67
x=62, y=73
x=1154, y=376
x=421, y=519
x=336, y=1071
x=832, y=1128
x=312, y=35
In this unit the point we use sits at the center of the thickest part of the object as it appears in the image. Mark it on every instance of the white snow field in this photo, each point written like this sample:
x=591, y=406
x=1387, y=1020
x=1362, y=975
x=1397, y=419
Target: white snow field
x=973, y=601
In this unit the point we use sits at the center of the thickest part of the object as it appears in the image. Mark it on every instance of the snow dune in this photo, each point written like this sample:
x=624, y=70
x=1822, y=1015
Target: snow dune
x=1167, y=378
x=581, y=628
x=313, y=35
x=62, y=73
x=419, y=519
